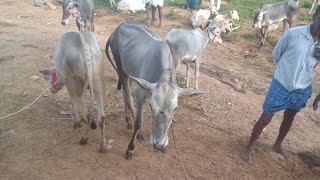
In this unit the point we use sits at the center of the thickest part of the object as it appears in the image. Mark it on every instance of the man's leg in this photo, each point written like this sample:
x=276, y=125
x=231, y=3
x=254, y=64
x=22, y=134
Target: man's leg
x=153, y=14
x=263, y=121
x=160, y=15
x=35, y=3
x=218, y=5
x=147, y=9
x=44, y=2
x=288, y=118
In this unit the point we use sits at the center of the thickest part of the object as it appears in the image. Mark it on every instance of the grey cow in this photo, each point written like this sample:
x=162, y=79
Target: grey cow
x=82, y=10
x=141, y=55
x=78, y=65
x=273, y=13
x=188, y=46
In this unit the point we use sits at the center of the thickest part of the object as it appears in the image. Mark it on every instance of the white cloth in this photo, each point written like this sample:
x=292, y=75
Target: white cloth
x=154, y=3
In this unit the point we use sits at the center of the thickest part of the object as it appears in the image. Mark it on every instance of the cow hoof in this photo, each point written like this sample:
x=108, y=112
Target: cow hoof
x=140, y=136
x=103, y=150
x=129, y=126
x=83, y=141
x=129, y=155
x=77, y=125
x=93, y=125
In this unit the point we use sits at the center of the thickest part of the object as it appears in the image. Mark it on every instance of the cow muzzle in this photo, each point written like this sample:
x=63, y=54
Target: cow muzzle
x=63, y=23
x=159, y=147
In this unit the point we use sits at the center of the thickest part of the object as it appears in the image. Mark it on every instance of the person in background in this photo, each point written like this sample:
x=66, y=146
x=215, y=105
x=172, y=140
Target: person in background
x=217, y=6
x=154, y=5
x=36, y=4
x=295, y=55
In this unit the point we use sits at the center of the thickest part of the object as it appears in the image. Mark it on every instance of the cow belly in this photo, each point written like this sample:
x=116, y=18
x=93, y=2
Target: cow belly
x=277, y=20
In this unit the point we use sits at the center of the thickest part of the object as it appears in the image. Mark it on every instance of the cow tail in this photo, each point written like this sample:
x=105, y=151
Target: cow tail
x=111, y=62
x=89, y=65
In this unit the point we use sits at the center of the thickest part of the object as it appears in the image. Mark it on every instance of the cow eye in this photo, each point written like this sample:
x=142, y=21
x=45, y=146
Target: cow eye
x=161, y=112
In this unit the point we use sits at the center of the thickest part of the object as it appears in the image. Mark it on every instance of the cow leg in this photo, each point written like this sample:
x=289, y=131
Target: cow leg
x=285, y=25
x=188, y=73
x=147, y=9
x=128, y=101
x=197, y=71
x=140, y=96
x=84, y=118
x=153, y=14
x=72, y=93
x=101, y=119
x=78, y=24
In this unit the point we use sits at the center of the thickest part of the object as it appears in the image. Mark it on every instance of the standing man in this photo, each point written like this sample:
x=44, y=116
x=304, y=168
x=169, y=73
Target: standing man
x=154, y=5
x=218, y=4
x=36, y=4
x=291, y=86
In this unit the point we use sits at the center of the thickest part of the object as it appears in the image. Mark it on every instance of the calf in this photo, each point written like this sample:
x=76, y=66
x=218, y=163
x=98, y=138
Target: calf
x=78, y=65
x=188, y=46
x=82, y=10
x=139, y=54
x=223, y=21
x=200, y=18
x=273, y=13
x=125, y=6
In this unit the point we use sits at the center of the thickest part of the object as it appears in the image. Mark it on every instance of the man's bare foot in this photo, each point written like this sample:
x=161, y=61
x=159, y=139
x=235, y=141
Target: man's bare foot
x=278, y=149
x=245, y=154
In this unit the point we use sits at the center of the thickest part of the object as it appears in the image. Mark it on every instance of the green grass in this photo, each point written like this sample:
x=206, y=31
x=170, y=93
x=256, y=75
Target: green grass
x=173, y=16
x=245, y=8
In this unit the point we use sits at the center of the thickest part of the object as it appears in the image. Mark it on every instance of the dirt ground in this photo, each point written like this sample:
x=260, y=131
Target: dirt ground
x=210, y=130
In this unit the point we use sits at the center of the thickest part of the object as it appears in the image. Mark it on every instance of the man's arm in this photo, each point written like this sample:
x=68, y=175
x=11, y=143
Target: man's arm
x=316, y=102
x=280, y=47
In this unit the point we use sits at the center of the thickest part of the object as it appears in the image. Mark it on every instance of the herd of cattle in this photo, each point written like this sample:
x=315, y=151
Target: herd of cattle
x=142, y=56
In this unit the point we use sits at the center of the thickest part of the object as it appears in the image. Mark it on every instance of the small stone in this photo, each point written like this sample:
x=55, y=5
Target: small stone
x=34, y=77
x=229, y=103
x=109, y=147
x=236, y=80
x=45, y=95
x=110, y=141
x=100, y=33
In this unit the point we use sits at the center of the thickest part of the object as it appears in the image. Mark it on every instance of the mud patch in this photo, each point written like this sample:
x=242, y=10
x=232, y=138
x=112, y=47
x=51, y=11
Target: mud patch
x=7, y=24
x=29, y=46
x=6, y=58
x=312, y=160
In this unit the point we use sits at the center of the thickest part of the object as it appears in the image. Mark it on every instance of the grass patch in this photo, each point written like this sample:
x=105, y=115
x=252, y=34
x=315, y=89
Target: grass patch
x=173, y=16
x=304, y=17
x=306, y=4
x=251, y=36
x=142, y=21
x=178, y=3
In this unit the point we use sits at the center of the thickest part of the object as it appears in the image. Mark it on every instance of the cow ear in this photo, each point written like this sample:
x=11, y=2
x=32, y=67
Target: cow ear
x=264, y=12
x=189, y=91
x=144, y=84
x=46, y=72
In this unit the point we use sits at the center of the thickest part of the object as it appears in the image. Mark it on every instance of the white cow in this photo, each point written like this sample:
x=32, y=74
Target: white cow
x=128, y=6
x=78, y=65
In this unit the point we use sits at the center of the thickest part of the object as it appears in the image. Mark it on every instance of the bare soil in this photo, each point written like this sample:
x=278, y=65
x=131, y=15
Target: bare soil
x=210, y=130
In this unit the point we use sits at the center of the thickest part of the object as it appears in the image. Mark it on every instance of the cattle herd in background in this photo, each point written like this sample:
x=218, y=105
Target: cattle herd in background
x=142, y=56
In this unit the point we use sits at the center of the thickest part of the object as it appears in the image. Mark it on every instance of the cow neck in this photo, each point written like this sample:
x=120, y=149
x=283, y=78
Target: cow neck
x=205, y=37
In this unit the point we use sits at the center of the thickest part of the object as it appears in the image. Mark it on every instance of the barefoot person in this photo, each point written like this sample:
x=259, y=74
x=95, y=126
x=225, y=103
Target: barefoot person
x=154, y=4
x=291, y=87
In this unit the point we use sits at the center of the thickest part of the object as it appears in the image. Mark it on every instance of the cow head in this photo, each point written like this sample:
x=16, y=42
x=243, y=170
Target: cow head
x=234, y=15
x=69, y=8
x=258, y=18
x=54, y=81
x=163, y=103
x=214, y=34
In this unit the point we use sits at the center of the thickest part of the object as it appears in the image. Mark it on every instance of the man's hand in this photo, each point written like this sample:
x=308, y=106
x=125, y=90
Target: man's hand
x=316, y=102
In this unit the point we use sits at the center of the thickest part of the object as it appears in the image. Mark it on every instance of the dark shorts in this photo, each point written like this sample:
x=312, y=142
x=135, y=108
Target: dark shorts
x=279, y=98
